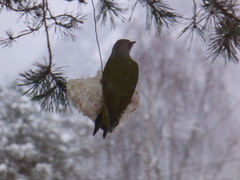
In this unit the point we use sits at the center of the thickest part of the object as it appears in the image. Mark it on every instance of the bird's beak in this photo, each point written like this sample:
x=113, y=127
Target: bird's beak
x=132, y=43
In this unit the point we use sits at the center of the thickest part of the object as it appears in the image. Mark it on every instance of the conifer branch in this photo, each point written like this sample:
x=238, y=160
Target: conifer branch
x=108, y=8
x=47, y=86
x=159, y=13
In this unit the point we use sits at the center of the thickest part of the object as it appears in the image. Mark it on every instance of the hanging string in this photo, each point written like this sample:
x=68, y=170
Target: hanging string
x=96, y=34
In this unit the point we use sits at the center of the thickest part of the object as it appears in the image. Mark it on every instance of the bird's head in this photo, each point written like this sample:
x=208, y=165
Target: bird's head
x=122, y=48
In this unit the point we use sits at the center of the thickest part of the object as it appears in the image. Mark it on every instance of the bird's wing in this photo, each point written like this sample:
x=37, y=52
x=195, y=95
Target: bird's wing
x=120, y=77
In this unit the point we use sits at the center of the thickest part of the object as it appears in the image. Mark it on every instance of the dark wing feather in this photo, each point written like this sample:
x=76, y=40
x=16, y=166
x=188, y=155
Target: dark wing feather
x=120, y=78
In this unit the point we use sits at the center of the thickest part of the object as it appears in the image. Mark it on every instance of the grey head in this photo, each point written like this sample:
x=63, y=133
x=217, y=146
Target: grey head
x=122, y=48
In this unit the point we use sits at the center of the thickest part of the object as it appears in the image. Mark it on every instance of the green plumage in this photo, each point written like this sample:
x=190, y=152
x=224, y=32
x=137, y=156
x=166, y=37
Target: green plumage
x=119, y=81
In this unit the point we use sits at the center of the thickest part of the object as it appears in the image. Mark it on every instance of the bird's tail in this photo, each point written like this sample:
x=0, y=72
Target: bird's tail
x=98, y=124
x=114, y=121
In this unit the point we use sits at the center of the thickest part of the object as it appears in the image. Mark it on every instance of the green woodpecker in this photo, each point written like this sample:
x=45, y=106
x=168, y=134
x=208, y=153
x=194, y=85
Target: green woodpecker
x=119, y=81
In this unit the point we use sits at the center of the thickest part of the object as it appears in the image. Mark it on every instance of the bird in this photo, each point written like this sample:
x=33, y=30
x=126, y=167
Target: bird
x=119, y=80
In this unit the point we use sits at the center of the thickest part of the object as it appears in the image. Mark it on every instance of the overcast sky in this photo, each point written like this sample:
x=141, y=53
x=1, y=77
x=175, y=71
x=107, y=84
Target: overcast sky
x=80, y=57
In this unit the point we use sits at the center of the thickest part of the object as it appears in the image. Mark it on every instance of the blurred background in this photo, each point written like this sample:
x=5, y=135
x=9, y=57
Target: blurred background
x=187, y=125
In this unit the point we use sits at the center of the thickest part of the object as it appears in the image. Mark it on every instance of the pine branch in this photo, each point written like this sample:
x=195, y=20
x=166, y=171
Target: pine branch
x=80, y=1
x=225, y=38
x=7, y=42
x=108, y=8
x=194, y=27
x=218, y=25
x=224, y=41
x=47, y=86
x=32, y=11
x=159, y=13
x=20, y=6
x=217, y=11
x=64, y=24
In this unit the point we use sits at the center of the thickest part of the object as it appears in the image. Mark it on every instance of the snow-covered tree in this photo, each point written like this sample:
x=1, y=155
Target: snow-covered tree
x=32, y=145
